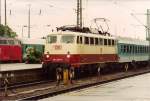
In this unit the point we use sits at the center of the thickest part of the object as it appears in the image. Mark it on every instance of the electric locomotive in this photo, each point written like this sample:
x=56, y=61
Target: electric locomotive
x=10, y=50
x=79, y=49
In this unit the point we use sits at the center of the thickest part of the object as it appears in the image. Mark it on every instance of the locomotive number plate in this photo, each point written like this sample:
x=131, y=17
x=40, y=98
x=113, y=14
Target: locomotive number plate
x=58, y=47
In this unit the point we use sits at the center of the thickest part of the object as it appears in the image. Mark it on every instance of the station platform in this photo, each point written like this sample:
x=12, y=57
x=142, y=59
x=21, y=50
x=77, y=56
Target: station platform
x=49, y=89
x=18, y=66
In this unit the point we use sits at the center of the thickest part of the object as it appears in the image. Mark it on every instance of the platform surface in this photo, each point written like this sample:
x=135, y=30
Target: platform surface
x=129, y=89
x=18, y=66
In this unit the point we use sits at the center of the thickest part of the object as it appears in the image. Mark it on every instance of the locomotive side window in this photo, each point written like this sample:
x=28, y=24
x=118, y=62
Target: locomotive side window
x=113, y=42
x=100, y=41
x=67, y=39
x=96, y=41
x=79, y=39
x=109, y=42
x=91, y=41
x=51, y=39
x=86, y=40
x=105, y=41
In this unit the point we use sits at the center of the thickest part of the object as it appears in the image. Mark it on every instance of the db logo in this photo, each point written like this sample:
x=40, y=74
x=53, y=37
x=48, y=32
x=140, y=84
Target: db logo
x=58, y=47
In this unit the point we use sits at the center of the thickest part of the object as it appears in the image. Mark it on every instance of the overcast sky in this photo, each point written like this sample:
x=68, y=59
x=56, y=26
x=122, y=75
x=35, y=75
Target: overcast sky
x=62, y=12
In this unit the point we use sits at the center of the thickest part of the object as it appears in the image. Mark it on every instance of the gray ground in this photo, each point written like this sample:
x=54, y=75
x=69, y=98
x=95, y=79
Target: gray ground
x=130, y=89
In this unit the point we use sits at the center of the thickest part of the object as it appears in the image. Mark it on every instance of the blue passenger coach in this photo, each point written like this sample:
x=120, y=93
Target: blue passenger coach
x=132, y=50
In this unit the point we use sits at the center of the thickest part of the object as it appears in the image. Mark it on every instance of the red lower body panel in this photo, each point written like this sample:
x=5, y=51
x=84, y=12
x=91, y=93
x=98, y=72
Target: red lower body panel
x=10, y=53
x=81, y=58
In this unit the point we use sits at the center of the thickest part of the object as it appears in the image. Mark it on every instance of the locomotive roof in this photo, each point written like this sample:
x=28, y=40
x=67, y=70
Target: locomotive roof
x=82, y=34
x=132, y=41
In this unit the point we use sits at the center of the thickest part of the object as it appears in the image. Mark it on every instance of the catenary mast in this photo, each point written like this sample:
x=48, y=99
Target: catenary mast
x=79, y=13
x=148, y=30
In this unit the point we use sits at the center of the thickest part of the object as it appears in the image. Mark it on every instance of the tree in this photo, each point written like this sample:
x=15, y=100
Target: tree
x=6, y=31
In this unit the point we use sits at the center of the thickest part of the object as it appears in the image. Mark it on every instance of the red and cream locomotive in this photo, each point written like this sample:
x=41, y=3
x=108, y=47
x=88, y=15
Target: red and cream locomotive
x=70, y=49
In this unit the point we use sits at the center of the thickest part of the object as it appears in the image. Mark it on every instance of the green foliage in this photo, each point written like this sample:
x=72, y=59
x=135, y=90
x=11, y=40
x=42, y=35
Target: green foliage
x=33, y=55
x=6, y=31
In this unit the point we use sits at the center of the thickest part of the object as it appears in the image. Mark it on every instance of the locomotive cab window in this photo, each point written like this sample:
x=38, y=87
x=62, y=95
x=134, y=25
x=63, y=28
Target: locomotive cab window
x=51, y=39
x=67, y=39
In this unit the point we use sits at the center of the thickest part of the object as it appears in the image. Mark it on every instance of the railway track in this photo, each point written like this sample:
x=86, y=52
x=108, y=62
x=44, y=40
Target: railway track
x=46, y=89
x=25, y=84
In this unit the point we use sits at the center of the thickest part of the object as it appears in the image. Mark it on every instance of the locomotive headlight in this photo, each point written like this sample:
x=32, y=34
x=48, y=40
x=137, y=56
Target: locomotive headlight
x=68, y=54
x=47, y=56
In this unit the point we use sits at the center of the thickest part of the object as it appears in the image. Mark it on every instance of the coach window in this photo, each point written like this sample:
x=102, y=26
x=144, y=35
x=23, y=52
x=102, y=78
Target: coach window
x=147, y=49
x=86, y=40
x=135, y=49
x=96, y=41
x=91, y=41
x=144, y=50
x=105, y=41
x=131, y=49
x=128, y=49
x=124, y=49
x=138, y=49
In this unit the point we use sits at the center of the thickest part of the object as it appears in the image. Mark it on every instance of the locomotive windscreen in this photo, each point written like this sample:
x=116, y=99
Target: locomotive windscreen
x=67, y=39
